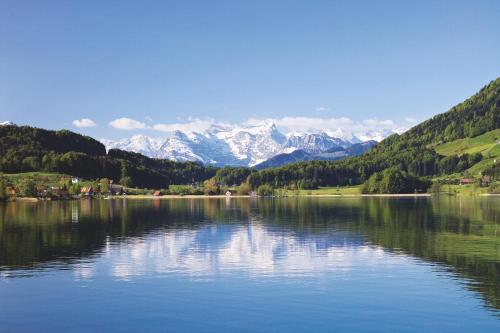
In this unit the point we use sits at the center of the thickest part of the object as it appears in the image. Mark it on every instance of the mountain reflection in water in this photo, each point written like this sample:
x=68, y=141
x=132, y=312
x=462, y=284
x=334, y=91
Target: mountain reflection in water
x=260, y=238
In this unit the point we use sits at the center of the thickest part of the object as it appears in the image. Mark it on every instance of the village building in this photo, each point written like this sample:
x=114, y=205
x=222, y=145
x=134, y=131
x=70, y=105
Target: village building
x=485, y=180
x=60, y=192
x=42, y=191
x=87, y=191
x=466, y=181
x=157, y=193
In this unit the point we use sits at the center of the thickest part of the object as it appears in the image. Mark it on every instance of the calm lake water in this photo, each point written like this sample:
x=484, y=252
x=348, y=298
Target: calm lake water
x=251, y=265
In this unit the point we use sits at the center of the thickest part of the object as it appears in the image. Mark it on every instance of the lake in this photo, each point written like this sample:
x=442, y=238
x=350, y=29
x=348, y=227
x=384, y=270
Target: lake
x=251, y=265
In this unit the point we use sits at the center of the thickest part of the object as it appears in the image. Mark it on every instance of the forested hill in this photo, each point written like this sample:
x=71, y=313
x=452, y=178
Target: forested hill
x=23, y=141
x=411, y=153
x=24, y=149
x=475, y=116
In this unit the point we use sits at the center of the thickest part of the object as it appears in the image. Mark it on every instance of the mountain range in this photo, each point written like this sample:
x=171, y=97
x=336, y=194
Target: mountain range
x=462, y=142
x=258, y=145
x=332, y=154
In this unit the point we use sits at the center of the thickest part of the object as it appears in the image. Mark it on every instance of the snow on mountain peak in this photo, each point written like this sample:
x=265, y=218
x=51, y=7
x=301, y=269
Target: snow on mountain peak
x=245, y=145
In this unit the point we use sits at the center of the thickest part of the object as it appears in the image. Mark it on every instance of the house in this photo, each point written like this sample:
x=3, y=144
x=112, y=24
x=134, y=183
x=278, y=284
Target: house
x=60, y=192
x=116, y=190
x=74, y=180
x=228, y=193
x=466, y=181
x=43, y=191
x=87, y=191
x=485, y=180
x=157, y=193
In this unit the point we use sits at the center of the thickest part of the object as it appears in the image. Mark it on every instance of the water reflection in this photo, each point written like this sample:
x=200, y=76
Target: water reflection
x=253, y=249
x=204, y=238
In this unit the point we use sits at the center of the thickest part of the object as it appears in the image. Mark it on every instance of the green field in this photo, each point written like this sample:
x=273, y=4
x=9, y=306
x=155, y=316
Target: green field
x=463, y=190
x=344, y=190
x=486, y=144
x=42, y=178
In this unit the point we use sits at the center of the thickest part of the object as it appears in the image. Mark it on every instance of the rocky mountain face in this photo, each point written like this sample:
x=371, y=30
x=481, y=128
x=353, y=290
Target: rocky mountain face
x=241, y=146
x=332, y=154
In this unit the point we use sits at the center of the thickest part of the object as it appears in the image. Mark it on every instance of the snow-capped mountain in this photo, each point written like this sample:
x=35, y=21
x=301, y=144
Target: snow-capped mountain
x=138, y=143
x=239, y=145
x=313, y=142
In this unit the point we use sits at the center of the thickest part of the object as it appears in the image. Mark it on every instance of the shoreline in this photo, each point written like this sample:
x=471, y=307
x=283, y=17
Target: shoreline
x=221, y=196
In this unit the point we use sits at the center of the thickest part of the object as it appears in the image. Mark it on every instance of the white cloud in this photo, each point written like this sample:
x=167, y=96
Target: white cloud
x=375, y=123
x=345, y=125
x=322, y=109
x=313, y=123
x=84, y=122
x=194, y=125
x=127, y=124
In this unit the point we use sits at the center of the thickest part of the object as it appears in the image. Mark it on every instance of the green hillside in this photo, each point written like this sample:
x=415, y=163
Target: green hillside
x=411, y=154
x=25, y=149
x=487, y=144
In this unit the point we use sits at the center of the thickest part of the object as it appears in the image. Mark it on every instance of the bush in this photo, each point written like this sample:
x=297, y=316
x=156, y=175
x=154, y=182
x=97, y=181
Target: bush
x=211, y=187
x=494, y=188
x=27, y=188
x=265, y=190
x=394, y=181
x=126, y=181
x=244, y=189
x=184, y=189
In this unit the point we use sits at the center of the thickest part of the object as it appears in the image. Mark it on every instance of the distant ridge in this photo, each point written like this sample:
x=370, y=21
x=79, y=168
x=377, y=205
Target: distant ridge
x=332, y=154
x=222, y=145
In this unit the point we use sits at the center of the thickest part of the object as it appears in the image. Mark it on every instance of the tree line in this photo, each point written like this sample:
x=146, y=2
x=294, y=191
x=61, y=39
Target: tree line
x=26, y=149
x=409, y=156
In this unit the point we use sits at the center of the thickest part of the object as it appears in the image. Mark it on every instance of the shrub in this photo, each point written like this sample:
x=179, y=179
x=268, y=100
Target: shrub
x=211, y=187
x=265, y=190
x=244, y=189
x=394, y=181
x=27, y=188
x=184, y=189
x=494, y=188
x=126, y=181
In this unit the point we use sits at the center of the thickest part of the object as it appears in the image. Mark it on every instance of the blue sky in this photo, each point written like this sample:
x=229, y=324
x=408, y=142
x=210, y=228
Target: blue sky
x=169, y=64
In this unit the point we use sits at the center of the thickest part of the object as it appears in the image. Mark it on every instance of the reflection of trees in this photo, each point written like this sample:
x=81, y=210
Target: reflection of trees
x=460, y=233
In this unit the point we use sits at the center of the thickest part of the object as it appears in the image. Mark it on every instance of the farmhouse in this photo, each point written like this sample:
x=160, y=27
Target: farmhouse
x=466, y=181
x=87, y=191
